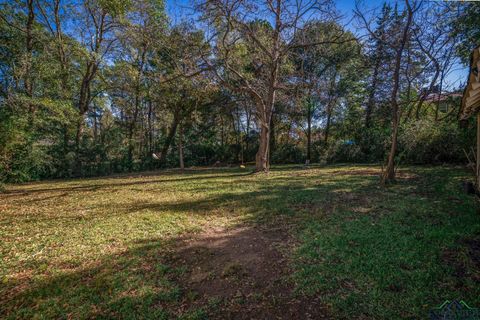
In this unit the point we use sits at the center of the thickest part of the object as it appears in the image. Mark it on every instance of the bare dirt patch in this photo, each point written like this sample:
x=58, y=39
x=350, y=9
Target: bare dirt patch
x=242, y=273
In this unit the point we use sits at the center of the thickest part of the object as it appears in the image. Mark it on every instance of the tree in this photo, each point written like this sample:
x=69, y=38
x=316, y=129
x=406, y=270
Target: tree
x=100, y=20
x=251, y=52
x=318, y=71
x=466, y=29
x=181, y=76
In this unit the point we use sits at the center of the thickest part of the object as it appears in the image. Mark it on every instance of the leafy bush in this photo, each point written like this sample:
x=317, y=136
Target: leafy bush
x=426, y=141
x=287, y=153
x=344, y=151
x=373, y=142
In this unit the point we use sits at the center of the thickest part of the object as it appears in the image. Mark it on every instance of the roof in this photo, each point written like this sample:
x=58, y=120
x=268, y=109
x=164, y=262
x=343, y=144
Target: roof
x=434, y=97
x=471, y=95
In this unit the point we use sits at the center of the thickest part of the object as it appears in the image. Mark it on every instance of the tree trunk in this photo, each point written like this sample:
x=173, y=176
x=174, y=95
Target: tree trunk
x=327, y=128
x=389, y=174
x=477, y=171
x=95, y=124
x=331, y=103
x=265, y=109
x=84, y=100
x=79, y=133
x=247, y=135
x=170, y=136
x=28, y=80
x=29, y=46
x=272, y=137
x=78, y=138
x=309, y=135
x=261, y=159
x=130, y=146
x=371, y=95
x=150, y=127
x=180, y=147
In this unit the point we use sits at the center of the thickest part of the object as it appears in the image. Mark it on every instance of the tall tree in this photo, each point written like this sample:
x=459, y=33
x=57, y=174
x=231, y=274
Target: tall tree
x=402, y=26
x=263, y=46
x=318, y=71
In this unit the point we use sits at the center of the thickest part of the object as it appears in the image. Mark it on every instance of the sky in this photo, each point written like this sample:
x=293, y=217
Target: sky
x=178, y=9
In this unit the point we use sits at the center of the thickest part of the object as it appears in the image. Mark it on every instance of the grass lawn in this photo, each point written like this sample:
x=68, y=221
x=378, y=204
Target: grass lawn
x=223, y=243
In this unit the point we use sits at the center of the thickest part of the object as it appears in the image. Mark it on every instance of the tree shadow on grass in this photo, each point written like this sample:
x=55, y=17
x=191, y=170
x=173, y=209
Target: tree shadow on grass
x=131, y=284
x=239, y=273
x=152, y=278
x=223, y=273
x=197, y=176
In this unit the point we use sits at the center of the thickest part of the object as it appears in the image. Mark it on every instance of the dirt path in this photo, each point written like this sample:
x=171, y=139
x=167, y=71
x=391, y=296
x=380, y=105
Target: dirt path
x=242, y=273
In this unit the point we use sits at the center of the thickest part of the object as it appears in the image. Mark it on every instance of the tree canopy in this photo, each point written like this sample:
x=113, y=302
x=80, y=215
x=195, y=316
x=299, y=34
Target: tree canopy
x=93, y=87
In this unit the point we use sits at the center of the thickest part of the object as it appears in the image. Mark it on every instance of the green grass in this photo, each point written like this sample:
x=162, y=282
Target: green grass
x=97, y=247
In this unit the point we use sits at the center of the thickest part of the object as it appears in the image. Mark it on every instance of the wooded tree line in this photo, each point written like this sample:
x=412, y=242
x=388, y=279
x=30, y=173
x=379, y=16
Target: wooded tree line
x=91, y=87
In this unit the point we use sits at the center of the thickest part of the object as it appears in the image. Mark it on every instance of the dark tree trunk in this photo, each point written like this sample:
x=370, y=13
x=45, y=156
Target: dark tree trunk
x=28, y=80
x=150, y=128
x=95, y=124
x=371, y=95
x=29, y=46
x=309, y=134
x=247, y=135
x=272, y=137
x=170, y=136
x=327, y=127
x=180, y=147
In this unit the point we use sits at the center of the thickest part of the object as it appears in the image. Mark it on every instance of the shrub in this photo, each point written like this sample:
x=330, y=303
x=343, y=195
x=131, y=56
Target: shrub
x=426, y=141
x=343, y=151
x=287, y=153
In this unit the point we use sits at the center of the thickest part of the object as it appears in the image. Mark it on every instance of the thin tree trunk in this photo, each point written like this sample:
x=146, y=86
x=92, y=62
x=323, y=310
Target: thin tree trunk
x=78, y=137
x=477, y=171
x=222, y=142
x=327, y=127
x=331, y=103
x=437, y=104
x=28, y=70
x=95, y=132
x=180, y=146
x=29, y=46
x=309, y=134
x=371, y=95
x=247, y=138
x=389, y=174
x=150, y=128
x=430, y=89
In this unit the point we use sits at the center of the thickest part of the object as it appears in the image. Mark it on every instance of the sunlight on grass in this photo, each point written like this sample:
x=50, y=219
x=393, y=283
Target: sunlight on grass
x=99, y=247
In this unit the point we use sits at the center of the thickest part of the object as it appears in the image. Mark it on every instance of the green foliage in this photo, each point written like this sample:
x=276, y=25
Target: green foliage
x=373, y=142
x=466, y=27
x=151, y=78
x=425, y=141
x=21, y=158
x=343, y=151
x=115, y=8
x=288, y=153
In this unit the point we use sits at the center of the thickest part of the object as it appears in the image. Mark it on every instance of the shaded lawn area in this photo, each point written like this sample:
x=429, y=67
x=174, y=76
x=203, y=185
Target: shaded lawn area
x=119, y=247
